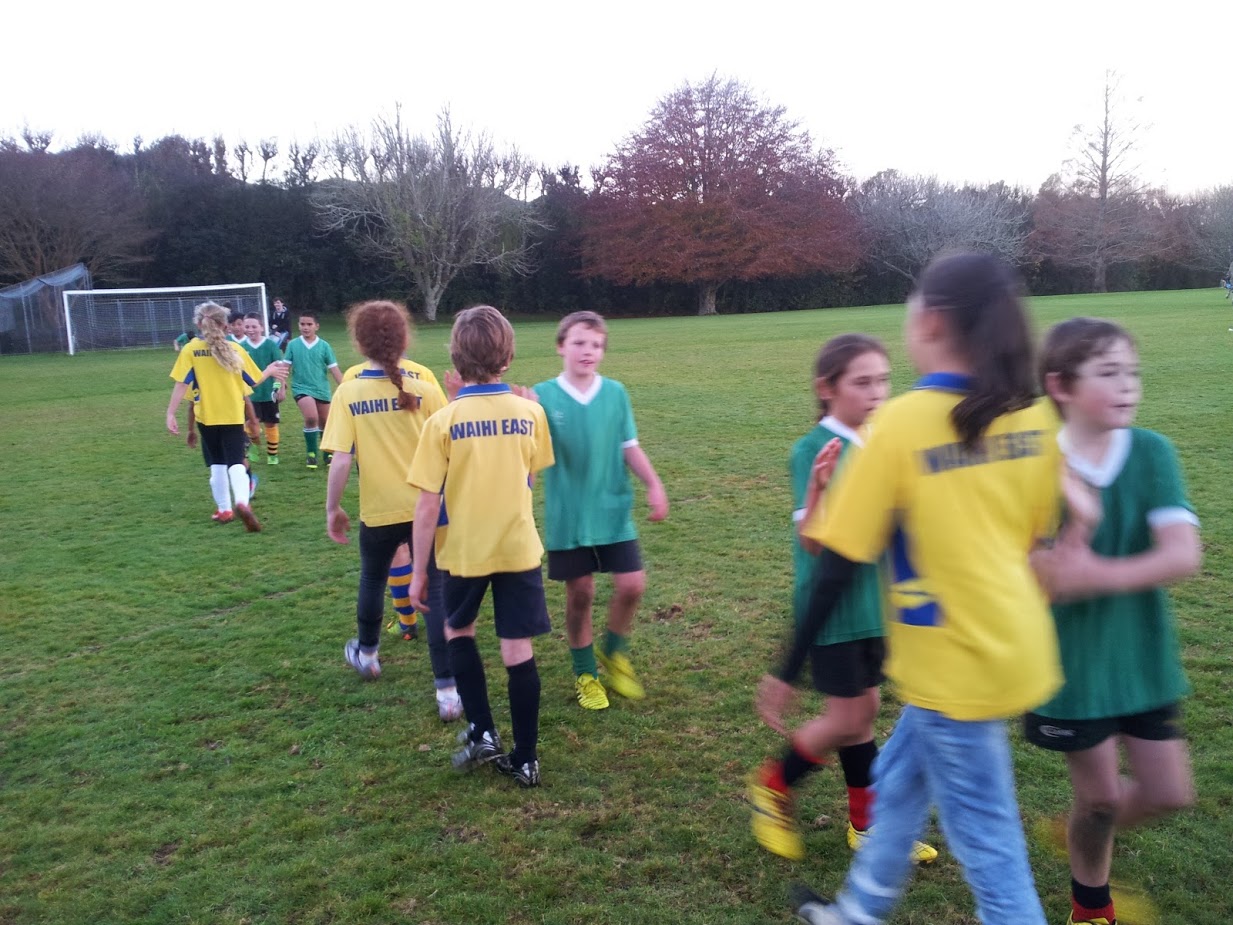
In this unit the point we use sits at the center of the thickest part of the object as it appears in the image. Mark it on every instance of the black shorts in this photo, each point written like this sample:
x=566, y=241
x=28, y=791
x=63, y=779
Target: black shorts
x=222, y=444
x=848, y=669
x=320, y=401
x=617, y=558
x=518, y=605
x=267, y=411
x=1077, y=735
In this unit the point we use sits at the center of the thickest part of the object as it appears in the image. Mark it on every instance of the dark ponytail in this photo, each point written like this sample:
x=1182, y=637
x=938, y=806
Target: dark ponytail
x=988, y=326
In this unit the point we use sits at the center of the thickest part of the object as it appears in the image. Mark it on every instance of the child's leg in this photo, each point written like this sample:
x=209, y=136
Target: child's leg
x=271, y=441
x=520, y=613
x=1161, y=781
x=627, y=591
x=312, y=426
x=438, y=654
x=378, y=546
x=579, y=596
x=462, y=598
x=323, y=414
x=219, y=487
x=1097, y=791
x=524, y=695
x=400, y=590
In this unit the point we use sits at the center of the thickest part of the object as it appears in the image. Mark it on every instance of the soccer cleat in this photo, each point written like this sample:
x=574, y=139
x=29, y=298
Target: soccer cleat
x=449, y=705
x=222, y=517
x=812, y=909
x=409, y=631
x=920, y=853
x=476, y=752
x=367, y=667
x=772, y=820
x=312, y=460
x=252, y=485
x=621, y=677
x=271, y=460
x=526, y=775
x=590, y=692
x=253, y=453
x=1099, y=920
x=251, y=523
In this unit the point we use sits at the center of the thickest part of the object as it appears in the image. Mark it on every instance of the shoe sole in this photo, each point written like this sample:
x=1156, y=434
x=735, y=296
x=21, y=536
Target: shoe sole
x=251, y=523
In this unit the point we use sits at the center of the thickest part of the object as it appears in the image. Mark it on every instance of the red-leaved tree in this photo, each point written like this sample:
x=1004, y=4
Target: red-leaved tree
x=716, y=187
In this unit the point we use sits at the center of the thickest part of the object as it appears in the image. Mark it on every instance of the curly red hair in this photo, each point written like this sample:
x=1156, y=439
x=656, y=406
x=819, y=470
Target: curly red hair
x=381, y=331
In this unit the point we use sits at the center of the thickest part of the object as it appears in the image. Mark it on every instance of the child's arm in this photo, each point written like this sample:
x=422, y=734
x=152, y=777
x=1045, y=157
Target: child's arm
x=819, y=477
x=336, y=373
x=251, y=423
x=1072, y=571
x=337, y=523
x=191, y=440
x=177, y=395
x=640, y=465
x=423, y=534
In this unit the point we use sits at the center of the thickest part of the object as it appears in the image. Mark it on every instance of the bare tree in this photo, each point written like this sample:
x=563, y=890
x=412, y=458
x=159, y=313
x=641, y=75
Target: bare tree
x=244, y=160
x=909, y=220
x=1098, y=212
x=220, y=157
x=303, y=162
x=36, y=140
x=268, y=149
x=431, y=206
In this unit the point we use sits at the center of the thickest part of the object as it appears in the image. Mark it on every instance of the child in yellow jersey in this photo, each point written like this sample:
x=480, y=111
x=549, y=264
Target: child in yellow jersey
x=482, y=450
x=378, y=417
x=957, y=482
x=851, y=379
x=1124, y=678
x=221, y=375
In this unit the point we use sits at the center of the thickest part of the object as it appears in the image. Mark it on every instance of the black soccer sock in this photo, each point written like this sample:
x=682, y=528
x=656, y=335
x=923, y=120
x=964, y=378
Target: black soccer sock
x=1095, y=898
x=857, y=763
x=472, y=684
x=796, y=764
x=524, y=710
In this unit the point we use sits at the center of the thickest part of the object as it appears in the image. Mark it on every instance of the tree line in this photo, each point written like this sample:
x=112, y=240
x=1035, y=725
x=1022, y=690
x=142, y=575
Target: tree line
x=720, y=201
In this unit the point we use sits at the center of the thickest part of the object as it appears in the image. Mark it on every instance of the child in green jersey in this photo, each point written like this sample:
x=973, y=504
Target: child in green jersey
x=851, y=379
x=588, y=501
x=1118, y=642
x=265, y=397
x=311, y=358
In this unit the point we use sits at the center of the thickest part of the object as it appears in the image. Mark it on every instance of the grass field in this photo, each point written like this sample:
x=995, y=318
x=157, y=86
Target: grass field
x=181, y=741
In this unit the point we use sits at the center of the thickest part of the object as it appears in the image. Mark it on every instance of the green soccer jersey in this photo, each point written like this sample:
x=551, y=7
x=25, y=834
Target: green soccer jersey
x=1120, y=651
x=263, y=355
x=859, y=613
x=588, y=498
x=310, y=367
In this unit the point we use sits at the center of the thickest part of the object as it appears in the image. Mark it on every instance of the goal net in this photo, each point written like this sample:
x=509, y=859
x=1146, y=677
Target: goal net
x=32, y=315
x=109, y=319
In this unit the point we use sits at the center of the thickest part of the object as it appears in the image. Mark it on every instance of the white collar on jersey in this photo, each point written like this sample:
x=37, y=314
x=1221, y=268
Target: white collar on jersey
x=836, y=426
x=583, y=398
x=1101, y=474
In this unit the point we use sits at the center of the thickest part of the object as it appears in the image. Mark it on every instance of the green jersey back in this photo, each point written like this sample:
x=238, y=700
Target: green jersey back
x=1120, y=652
x=859, y=613
x=263, y=355
x=588, y=498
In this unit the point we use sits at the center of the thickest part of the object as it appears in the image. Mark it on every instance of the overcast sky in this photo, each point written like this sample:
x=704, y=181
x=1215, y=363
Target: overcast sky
x=977, y=91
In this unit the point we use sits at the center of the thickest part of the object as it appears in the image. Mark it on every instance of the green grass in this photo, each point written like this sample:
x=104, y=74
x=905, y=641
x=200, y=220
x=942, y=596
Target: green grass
x=180, y=740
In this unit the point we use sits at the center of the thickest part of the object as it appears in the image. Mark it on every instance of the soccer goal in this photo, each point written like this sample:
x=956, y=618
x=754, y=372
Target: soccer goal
x=110, y=319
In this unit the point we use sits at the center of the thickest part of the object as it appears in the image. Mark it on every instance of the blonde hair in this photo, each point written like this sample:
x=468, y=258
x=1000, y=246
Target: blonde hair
x=212, y=319
x=481, y=344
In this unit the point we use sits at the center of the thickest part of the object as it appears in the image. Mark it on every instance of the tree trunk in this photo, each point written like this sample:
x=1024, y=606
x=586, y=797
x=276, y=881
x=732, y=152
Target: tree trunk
x=1101, y=281
x=432, y=299
x=706, y=298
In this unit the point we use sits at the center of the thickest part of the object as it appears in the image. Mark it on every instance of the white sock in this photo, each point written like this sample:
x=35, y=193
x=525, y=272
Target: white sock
x=239, y=483
x=218, y=487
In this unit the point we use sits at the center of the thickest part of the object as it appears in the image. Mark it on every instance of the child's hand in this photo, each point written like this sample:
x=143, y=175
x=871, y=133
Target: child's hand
x=337, y=523
x=657, y=501
x=774, y=699
x=824, y=463
x=525, y=391
x=191, y=440
x=1082, y=505
x=1065, y=571
x=419, y=591
x=452, y=382
x=172, y=424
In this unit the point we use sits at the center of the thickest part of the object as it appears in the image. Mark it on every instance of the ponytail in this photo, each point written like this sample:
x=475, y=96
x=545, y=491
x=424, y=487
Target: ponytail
x=212, y=319
x=380, y=331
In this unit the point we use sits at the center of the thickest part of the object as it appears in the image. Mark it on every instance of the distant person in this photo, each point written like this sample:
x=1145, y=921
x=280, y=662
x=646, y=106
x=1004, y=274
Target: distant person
x=221, y=373
x=588, y=504
x=312, y=363
x=481, y=451
x=1118, y=638
x=235, y=321
x=280, y=324
x=266, y=396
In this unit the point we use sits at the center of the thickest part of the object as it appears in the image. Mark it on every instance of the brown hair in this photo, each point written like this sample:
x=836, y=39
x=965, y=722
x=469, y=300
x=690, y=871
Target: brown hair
x=381, y=332
x=481, y=344
x=211, y=318
x=835, y=357
x=593, y=320
x=988, y=326
x=1068, y=344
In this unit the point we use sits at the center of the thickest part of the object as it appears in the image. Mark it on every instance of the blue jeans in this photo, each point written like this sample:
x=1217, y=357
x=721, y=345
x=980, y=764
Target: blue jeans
x=965, y=770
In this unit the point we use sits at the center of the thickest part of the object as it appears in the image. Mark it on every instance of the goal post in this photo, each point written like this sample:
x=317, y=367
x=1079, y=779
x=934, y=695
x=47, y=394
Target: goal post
x=111, y=319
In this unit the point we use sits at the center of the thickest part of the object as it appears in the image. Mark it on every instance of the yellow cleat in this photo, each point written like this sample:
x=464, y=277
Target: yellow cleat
x=621, y=677
x=590, y=692
x=1099, y=920
x=772, y=822
x=921, y=853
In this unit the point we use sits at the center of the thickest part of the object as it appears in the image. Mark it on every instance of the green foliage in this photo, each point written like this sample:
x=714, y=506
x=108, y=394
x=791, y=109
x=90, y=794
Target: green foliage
x=181, y=741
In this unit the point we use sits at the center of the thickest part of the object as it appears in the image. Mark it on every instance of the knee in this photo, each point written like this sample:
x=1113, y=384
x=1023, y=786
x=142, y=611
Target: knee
x=580, y=596
x=1171, y=799
x=630, y=588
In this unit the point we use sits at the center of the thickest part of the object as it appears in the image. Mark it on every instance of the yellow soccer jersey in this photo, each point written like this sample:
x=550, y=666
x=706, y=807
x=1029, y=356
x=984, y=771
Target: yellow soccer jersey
x=365, y=420
x=483, y=448
x=410, y=369
x=218, y=396
x=969, y=629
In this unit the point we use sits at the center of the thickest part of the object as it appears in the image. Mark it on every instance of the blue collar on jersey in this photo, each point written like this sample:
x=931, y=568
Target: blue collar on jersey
x=489, y=388
x=946, y=382
x=368, y=373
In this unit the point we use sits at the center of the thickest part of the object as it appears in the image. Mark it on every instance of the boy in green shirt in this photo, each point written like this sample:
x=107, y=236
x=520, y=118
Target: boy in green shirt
x=311, y=358
x=268, y=394
x=588, y=503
